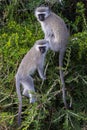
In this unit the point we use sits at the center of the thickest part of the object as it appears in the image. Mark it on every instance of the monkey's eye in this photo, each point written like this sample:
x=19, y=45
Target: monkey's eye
x=42, y=49
x=41, y=17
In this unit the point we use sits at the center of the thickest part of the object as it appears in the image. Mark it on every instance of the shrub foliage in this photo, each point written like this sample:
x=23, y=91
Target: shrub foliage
x=19, y=31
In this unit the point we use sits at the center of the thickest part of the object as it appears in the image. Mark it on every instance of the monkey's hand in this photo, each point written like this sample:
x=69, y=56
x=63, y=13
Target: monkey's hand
x=41, y=73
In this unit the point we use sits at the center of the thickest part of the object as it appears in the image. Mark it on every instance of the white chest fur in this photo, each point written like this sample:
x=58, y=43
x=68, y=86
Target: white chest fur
x=47, y=30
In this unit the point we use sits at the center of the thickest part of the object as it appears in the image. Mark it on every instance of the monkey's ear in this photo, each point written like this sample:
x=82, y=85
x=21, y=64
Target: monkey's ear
x=42, y=49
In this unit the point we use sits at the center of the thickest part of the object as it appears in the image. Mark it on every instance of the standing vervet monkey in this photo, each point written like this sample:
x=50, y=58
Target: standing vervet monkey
x=33, y=60
x=57, y=34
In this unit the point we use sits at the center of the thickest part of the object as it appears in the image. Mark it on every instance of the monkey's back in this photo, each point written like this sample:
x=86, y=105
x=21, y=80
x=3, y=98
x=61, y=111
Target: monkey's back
x=55, y=25
x=29, y=63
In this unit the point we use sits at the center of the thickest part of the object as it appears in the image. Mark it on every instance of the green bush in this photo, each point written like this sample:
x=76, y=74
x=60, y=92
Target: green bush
x=15, y=41
x=17, y=36
x=48, y=112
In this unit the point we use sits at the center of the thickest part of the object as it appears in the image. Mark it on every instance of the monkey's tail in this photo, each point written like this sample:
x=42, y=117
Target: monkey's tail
x=63, y=87
x=61, y=55
x=19, y=98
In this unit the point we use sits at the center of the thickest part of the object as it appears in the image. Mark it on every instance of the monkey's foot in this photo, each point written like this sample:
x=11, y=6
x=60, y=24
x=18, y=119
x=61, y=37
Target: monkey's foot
x=33, y=99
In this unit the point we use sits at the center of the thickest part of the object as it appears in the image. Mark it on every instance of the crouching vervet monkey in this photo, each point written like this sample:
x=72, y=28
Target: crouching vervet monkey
x=33, y=60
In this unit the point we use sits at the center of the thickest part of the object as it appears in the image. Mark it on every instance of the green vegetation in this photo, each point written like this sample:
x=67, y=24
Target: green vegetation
x=19, y=30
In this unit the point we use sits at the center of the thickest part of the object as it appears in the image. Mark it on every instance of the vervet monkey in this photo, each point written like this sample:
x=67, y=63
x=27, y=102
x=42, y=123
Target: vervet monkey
x=57, y=34
x=33, y=60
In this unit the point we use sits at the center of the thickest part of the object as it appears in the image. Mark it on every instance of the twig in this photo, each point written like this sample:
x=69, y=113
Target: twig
x=4, y=98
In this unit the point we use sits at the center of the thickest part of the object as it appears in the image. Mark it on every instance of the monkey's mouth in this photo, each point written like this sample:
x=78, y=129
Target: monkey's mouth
x=41, y=19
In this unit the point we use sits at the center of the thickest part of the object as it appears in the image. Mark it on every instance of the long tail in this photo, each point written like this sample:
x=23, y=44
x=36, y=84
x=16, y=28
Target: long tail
x=19, y=98
x=61, y=55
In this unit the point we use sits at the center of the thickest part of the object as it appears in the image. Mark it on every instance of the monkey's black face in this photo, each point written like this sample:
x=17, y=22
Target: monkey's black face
x=42, y=49
x=41, y=17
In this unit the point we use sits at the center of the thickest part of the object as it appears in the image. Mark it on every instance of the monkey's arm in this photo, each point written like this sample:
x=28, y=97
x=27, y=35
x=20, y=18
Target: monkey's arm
x=41, y=73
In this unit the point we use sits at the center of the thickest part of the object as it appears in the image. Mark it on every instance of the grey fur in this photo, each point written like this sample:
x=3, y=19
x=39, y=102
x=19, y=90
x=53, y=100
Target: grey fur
x=57, y=34
x=33, y=60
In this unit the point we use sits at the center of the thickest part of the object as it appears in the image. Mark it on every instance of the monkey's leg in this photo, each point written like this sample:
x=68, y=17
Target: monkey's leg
x=25, y=92
x=29, y=88
x=61, y=55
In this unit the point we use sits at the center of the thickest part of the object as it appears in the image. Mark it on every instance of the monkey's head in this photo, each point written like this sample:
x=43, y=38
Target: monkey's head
x=42, y=13
x=42, y=46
